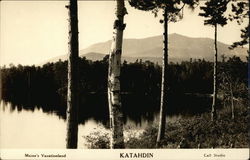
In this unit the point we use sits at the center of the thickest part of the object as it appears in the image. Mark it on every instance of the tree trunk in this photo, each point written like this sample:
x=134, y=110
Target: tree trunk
x=214, y=105
x=1, y=85
x=164, y=82
x=232, y=101
x=72, y=95
x=114, y=97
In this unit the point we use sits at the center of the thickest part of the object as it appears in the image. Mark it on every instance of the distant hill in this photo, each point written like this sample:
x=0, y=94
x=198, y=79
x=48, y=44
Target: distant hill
x=180, y=48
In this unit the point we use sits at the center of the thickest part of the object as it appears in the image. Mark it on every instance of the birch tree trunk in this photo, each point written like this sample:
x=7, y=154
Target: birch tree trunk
x=214, y=105
x=72, y=95
x=114, y=97
x=164, y=82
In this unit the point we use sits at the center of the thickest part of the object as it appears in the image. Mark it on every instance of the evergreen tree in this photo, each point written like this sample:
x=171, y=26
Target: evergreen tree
x=171, y=12
x=214, y=11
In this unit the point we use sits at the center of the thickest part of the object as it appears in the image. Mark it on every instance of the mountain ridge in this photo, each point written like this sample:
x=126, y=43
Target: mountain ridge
x=180, y=48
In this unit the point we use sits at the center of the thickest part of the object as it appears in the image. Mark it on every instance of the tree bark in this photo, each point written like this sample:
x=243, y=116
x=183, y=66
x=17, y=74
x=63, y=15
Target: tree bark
x=214, y=105
x=72, y=95
x=232, y=101
x=114, y=96
x=164, y=83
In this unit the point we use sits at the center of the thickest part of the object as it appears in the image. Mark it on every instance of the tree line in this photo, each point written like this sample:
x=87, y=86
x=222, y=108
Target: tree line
x=194, y=76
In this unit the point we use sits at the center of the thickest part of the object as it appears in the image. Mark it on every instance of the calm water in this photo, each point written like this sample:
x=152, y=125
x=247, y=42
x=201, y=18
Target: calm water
x=27, y=124
x=37, y=129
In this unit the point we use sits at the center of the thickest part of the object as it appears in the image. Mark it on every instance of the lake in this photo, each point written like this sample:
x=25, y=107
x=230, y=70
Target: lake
x=38, y=129
x=33, y=125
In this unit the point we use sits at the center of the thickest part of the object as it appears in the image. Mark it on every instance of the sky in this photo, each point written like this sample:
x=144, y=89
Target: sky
x=32, y=32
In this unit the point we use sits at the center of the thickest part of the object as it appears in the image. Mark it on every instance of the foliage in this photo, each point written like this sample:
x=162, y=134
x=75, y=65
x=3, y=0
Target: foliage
x=214, y=12
x=244, y=38
x=30, y=87
x=232, y=75
x=191, y=132
x=146, y=140
x=98, y=139
x=173, y=7
x=240, y=11
x=51, y=78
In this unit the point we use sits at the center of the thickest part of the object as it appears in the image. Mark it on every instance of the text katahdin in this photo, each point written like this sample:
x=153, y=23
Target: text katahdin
x=136, y=155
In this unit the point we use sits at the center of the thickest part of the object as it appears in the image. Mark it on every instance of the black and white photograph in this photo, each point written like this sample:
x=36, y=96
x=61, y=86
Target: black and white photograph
x=124, y=79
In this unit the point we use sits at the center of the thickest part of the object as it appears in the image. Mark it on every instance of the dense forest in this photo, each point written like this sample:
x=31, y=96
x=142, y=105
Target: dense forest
x=190, y=86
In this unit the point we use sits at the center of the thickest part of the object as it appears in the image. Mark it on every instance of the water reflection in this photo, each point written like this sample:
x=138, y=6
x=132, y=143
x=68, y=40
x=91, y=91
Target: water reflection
x=26, y=125
x=36, y=129
x=137, y=108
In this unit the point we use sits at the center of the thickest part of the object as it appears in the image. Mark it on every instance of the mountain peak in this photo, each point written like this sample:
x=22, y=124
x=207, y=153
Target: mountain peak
x=180, y=48
x=176, y=34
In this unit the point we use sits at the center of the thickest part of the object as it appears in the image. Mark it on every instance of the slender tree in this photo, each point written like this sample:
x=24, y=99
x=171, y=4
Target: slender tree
x=114, y=96
x=227, y=88
x=233, y=79
x=171, y=12
x=214, y=11
x=72, y=95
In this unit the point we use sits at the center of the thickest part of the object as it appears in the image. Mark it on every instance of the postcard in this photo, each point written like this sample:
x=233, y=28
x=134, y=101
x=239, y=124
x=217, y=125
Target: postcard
x=124, y=79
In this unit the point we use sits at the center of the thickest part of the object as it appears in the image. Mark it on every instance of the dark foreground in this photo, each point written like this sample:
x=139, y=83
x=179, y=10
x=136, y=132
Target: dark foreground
x=191, y=132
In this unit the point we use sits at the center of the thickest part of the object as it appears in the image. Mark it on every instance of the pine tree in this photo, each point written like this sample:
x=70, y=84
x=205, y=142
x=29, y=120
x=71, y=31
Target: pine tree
x=214, y=11
x=72, y=94
x=171, y=12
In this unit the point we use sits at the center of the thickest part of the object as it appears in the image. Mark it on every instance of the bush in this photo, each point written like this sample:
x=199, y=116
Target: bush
x=98, y=139
x=189, y=132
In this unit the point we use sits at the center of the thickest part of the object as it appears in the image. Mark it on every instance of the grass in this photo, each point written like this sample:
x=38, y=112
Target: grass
x=189, y=132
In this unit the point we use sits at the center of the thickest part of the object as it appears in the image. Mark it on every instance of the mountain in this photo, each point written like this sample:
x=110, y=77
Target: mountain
x=180, y=48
